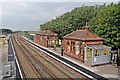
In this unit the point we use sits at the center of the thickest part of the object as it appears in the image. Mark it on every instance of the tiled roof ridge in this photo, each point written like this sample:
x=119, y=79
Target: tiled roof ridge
x=46, y=32
x=86, y=33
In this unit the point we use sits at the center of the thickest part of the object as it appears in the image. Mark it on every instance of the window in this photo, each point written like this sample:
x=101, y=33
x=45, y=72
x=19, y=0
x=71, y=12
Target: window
x=80, y=50
x=96, y=52
x=51, y=42
x=67, y=43
x=77, y=50
x=105, y=51
x=89, y=53
x=68, y=46
x=72, y=46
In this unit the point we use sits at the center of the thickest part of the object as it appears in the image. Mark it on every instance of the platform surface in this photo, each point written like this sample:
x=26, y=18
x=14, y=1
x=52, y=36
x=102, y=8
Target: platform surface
x=3, y=57
x=109, y=71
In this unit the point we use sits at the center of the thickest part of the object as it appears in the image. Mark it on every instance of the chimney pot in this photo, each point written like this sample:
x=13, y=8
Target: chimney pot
x=87, y=27
x=86, y=23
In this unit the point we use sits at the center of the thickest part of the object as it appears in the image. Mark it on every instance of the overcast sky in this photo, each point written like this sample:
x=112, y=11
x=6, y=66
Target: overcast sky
x=29, y=15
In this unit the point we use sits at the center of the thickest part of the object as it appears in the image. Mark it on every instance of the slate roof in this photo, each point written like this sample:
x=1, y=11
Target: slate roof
x=82, y=35
x=46, y=32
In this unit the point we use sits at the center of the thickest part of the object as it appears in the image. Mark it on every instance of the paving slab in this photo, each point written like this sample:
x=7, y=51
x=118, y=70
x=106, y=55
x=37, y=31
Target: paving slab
x=3, y=57
x=5, y=53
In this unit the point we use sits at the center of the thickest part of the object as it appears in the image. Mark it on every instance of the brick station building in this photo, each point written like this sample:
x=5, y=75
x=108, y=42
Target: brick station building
x=46, y=38
x=74, y=43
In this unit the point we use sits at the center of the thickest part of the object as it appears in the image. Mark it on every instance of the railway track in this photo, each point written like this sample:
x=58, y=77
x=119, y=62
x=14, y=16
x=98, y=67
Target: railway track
x=48, y=67
x=60, y=66
x=27, y=69
x=42, y=65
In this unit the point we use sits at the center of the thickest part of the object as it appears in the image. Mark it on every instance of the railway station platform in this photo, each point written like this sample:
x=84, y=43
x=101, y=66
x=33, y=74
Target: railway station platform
x=6, y=66
x=109, y=71
x=3, y=57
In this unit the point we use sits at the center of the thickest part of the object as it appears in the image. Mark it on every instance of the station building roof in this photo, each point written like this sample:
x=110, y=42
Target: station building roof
x=82, y=35
x=46, y=32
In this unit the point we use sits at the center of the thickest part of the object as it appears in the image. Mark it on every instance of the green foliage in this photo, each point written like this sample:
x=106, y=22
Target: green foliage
x=71, y=21
x=104, y=21
x=24, y=33
x=106, y=24
x=6, y=31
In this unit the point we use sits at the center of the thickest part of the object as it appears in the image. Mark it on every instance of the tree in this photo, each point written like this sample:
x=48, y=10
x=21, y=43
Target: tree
x=104, y=21
x=70, y=21
x=106, y=24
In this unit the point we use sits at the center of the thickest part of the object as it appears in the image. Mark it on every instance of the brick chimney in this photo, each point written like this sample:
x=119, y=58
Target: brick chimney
x=87, y=27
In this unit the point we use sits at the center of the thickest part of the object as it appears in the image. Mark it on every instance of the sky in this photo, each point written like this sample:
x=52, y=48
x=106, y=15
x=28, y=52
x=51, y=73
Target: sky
x=29, y=15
